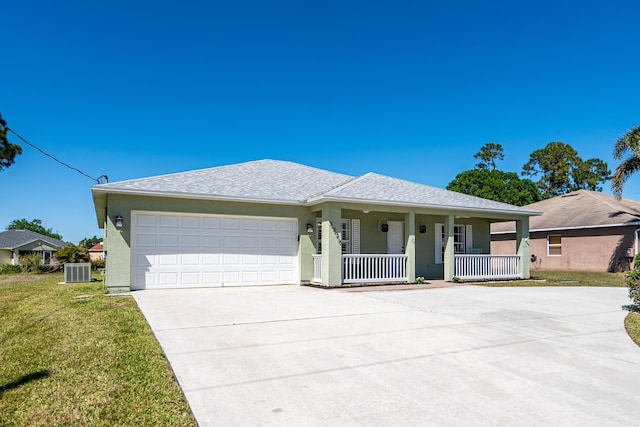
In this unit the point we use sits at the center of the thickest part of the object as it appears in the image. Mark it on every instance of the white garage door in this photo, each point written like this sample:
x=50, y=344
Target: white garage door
x=174, y=250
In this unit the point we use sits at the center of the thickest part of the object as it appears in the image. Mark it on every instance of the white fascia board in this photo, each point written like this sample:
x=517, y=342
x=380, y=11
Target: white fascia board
x=578, y=227
x=195, y=196
x=319, y=200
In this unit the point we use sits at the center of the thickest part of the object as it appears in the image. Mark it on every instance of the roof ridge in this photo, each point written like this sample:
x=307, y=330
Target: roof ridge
x=605, y=202
x=347, y=184
x=324, y=193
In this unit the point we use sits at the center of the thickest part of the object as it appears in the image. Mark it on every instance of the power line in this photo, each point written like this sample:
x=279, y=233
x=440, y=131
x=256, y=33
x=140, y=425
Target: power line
x=98, y=179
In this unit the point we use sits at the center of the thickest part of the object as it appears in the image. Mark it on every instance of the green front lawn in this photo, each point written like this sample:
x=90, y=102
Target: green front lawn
x=565, y=278
x=632, y=324
x=70, y=355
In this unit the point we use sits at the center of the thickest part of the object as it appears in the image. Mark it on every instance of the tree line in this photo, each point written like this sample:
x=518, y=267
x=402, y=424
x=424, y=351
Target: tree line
x=557, y=166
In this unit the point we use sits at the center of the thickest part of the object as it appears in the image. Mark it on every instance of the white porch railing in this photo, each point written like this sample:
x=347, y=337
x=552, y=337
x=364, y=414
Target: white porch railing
x=317, y=268
x=367, y=268
x=371, y=268
x=487, y=266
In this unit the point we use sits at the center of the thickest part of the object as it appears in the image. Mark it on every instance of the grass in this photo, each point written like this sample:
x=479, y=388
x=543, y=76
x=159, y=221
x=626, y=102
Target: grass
x=70, y=355
x=565, y=278
x=632, y=325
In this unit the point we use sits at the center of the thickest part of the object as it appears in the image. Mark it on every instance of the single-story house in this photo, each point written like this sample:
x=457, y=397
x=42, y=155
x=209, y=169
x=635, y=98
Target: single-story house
x=276, y=222
x=579, y=231
x=15, y=243
x=96, y=252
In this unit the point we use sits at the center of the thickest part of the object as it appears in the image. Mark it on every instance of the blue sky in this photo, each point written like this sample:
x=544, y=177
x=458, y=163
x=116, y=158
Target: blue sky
x=410, y=89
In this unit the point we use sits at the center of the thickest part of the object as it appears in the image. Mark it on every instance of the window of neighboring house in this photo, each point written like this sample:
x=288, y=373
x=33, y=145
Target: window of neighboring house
x=345, y=235
x=554, y=245
x=461, y=240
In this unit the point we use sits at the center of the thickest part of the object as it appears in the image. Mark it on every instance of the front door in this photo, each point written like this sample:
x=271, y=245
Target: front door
x=395, y=237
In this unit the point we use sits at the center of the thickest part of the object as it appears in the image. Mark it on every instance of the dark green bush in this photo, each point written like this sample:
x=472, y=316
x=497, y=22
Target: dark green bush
x=633, y=281
x=9, y=269
x=98, y=263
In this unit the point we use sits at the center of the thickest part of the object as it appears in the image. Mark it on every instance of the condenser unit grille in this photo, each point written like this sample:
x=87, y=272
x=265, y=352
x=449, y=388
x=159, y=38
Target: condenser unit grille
x=77, y=272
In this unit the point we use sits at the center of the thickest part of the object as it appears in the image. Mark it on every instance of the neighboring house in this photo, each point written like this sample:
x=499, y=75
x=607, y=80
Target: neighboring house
x=96, y=252
x=276, y=222
x=580, y=231
x=15, y=243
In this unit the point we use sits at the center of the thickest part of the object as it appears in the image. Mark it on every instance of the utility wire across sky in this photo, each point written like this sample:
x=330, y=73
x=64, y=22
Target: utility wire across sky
x=99, y=179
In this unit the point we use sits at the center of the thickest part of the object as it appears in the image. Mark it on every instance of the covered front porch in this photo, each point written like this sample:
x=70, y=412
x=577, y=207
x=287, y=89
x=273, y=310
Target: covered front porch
x=361, y=246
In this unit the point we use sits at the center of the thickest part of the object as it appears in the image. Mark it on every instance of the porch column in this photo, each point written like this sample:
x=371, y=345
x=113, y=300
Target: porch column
x=410, y=245
x=449, y=249
x=522, y=240
x=331, y=246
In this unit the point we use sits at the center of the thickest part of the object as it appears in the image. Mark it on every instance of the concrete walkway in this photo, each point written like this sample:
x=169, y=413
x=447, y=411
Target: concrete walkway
x=290, y=355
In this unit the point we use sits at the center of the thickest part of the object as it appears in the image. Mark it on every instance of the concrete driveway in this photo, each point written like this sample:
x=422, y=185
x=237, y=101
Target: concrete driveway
x=290, y=355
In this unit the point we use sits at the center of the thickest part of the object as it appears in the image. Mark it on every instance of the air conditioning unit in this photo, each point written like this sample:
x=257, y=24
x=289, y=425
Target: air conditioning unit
x=77, y=272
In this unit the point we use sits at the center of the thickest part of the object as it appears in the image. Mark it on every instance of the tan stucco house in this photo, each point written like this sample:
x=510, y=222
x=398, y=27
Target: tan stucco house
x=15, y=243
x=580, y=231
x=96, y=252
x=276, y=222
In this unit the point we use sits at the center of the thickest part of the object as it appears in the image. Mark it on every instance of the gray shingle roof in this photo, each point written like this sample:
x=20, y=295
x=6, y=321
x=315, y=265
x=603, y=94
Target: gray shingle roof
x=385, y=189
x=266, y=180
x=273, y=181
x=12, y=239
x=579, y=209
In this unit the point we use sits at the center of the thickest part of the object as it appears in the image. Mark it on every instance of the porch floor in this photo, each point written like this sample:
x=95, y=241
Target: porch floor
x=430, y=284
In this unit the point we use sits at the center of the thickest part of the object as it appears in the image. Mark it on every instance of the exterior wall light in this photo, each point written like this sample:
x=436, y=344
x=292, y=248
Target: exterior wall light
x=384, y=228
x=309, y=228
x=422, y=229
x=119, y=221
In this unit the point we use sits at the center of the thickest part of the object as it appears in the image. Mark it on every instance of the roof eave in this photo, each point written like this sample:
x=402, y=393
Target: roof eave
x=318, y=200
x=198, y=196
x=577, y=227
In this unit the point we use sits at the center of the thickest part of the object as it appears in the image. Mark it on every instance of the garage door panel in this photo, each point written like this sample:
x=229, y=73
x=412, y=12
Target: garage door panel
x=211, y=259
x=168, y=240
x=167, y=259
x=211, y=241
x=231, y=242
x=145, y=240
x=143, y=220
x=231, y=224
x=190, y=222
x=190, y=241
x=231, y=259
x=211, y=278
x=171, y=221
x=168, y=278
x=190, y=259
x=190, y=278
x=188, y=250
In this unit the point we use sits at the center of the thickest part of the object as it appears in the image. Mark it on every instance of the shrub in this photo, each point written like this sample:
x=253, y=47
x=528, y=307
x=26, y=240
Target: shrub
x=72, y=253
x=633, y=281
x=9, y=269
x=30, y=263
x=98, y=263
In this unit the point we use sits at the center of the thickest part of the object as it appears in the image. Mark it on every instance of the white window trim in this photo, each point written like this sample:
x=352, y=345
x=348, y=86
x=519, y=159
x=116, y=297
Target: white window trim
x=465, y=231
x=349, y=235
x=554, y=245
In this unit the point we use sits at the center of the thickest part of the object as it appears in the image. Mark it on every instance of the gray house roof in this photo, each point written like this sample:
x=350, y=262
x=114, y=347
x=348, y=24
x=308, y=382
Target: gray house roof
x=579, y=209
x=12, y=239
x=282, y=182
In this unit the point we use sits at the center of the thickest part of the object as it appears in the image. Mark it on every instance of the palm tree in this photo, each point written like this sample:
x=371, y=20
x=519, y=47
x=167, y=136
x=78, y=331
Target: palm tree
x=629, y=143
